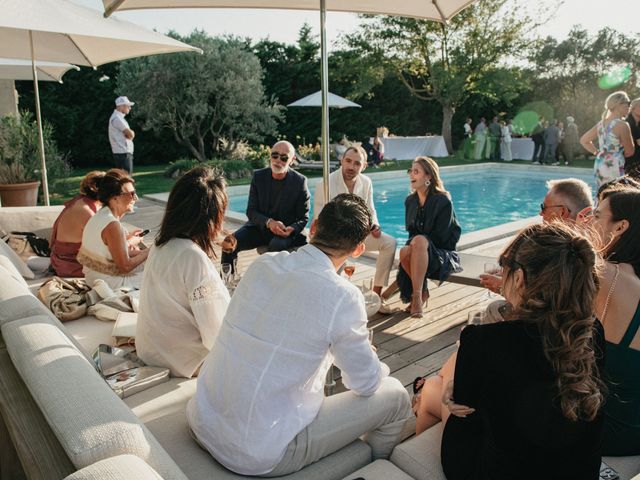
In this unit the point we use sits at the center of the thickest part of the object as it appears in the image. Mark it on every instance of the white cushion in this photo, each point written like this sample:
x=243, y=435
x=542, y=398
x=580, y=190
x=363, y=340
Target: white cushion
x=626, y=467
x=122, y=467
x=379, y=470
x=420, y=456
x=90, y=332
x=11, y=270
x=89, y=420
x=163, y=409
x=16, y=260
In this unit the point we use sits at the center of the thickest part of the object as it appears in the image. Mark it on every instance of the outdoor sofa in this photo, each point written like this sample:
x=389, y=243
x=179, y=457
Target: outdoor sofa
x=60, y=420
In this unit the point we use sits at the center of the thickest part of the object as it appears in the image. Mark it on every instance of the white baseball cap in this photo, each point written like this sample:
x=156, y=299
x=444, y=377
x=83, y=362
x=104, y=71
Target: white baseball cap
x=123, y=101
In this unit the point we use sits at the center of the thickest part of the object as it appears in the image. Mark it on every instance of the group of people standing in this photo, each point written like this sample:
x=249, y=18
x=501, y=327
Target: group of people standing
x=488, y=142
x=553, y=140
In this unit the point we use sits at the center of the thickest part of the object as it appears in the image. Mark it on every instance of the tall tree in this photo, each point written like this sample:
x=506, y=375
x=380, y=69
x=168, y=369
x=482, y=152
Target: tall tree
x=202, y=99
x=450, y=62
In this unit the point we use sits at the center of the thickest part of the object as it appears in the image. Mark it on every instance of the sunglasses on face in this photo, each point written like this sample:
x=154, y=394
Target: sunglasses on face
x=282, y=156
x=543, y=207
x=132, y=193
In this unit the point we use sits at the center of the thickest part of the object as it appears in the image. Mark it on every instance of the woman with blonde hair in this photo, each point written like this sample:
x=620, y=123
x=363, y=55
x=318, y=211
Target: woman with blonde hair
x=614, y=139
x=528, y=390
x=433, y=231
x=66, y=236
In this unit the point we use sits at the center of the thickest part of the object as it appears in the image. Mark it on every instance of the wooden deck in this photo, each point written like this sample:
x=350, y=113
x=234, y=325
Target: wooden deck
x=411, y=347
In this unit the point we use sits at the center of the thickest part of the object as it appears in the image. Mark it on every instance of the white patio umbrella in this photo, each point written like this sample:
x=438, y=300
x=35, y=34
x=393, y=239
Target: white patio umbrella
x=11, y=69
x=61, y=31
x=438, y=10
x=315, y=100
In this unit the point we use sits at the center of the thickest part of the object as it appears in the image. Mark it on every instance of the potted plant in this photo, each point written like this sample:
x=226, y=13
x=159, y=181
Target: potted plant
x=20, y=160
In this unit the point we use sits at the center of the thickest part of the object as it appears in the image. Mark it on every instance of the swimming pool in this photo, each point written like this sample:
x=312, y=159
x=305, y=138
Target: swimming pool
x=482, y=196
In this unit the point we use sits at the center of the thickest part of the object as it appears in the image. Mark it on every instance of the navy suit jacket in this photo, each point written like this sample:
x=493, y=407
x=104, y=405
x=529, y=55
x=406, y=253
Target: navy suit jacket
x=293, y=205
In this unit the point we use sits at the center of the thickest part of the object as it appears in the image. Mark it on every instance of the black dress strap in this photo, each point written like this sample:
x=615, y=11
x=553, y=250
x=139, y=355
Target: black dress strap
x=632, y=329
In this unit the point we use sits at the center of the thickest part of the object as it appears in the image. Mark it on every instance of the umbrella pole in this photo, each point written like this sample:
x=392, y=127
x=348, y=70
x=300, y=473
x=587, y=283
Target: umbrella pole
x=45, y=185
x=324, y=82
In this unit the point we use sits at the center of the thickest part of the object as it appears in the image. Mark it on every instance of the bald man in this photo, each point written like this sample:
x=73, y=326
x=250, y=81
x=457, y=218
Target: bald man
x=278, y=207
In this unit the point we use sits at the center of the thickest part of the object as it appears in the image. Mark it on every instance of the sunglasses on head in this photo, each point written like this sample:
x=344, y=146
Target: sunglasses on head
x=282, y=156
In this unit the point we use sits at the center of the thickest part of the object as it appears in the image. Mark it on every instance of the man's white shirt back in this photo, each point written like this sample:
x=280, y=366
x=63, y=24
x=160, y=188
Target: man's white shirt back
x=117, y=126
x=290, y=318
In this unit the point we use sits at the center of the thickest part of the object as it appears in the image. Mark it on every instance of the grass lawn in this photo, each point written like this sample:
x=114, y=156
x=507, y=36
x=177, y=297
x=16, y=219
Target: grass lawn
x=150, y=178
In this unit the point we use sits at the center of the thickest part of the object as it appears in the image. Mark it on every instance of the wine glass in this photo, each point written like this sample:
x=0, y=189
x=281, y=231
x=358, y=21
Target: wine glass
x=225, y=272
x=491, y=268
x=476, y=317
x=349, y=268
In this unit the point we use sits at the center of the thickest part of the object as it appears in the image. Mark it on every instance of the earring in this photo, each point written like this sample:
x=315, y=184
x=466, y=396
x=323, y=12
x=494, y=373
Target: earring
x=427, y=183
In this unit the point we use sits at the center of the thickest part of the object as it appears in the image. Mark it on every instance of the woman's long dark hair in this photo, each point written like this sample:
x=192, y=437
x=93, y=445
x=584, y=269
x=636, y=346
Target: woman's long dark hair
x=195, y=209
x=559, y=294
x=624, y=203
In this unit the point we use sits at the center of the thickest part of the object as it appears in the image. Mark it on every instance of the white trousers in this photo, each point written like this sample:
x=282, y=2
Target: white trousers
x=345, y=417
x=386, y=246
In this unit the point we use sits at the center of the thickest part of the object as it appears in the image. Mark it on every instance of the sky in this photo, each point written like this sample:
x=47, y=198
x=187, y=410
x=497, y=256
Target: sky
x=283, y=26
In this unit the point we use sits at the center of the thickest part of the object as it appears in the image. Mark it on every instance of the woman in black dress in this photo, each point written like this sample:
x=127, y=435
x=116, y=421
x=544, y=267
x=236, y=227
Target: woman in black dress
x=434, y=232
x=534, y=380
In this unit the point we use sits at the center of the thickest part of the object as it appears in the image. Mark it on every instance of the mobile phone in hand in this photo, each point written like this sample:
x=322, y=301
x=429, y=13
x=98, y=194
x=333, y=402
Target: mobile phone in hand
x=143, y=233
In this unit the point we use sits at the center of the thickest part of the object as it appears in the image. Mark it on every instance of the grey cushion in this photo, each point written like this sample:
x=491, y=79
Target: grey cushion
x=8, y=252
x=89, y=420
x=627, y=467
x=162, y=409
x=122, y=467
x=420, y=456
x=379, y=470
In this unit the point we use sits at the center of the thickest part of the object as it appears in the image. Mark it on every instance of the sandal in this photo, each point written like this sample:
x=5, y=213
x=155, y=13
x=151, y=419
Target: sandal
x=416, y=312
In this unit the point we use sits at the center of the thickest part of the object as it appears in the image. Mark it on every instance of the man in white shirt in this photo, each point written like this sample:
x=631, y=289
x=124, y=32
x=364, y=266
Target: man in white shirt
x=348, y=179
x=259, y=407
x=121, y=136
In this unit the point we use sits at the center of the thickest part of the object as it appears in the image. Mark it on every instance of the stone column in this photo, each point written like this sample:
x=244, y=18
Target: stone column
x=8, y=98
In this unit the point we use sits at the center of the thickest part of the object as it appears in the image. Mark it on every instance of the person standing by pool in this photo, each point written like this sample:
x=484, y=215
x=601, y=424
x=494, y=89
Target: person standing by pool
x=571, y=140
x=259, y=407
x=614, y=139
x=495, y=133
x=505, y=144
x=278, y=206
x=632, y=164
x=121, y=136
x=537, y=135
x=467, y=144
x=349, y=179
x=480, y=135
x=434, y=232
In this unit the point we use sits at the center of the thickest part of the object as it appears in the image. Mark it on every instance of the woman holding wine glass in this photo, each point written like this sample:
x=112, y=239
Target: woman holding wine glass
x=433, y=231
x=183, y=299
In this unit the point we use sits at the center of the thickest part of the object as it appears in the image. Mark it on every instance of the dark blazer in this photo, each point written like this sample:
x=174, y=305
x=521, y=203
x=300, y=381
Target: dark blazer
x=293, y=206
x=635, y=134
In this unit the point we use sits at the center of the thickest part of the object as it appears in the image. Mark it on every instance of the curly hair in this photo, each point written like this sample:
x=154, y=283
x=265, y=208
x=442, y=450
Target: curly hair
x=560, y=289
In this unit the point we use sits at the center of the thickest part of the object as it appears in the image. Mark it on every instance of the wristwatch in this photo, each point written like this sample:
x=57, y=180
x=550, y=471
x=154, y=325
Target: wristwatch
x=266, y=224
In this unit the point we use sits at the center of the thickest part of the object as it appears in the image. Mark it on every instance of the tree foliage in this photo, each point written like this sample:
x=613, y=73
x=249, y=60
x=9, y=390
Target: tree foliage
x=202, y=99
x=575, y=75
x=449, y=63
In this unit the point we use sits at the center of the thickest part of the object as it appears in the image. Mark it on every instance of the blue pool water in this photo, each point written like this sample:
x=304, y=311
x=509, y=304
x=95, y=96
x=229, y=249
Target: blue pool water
x=481, y=198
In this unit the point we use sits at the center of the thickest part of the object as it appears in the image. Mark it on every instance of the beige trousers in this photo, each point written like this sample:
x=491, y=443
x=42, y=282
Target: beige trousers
x=345, y=417
x=386, y=246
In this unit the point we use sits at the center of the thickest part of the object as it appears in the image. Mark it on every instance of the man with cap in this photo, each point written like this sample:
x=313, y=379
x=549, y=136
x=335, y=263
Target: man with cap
x=121, y=136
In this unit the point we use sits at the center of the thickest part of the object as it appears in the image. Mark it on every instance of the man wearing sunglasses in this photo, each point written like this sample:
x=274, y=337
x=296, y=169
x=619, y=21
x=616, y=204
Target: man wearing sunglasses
x=564, y=201
x=278, y=207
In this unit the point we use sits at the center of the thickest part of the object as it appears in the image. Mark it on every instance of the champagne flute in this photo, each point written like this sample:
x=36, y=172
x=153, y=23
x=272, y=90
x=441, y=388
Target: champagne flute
x=225, y=271
x=476, y=317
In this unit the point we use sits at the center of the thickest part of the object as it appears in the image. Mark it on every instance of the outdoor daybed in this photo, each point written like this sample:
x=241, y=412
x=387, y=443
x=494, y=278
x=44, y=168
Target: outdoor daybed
x=60, y=420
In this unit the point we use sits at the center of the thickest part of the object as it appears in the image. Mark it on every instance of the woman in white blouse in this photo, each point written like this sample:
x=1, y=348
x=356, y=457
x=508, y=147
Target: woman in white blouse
x=183, y=299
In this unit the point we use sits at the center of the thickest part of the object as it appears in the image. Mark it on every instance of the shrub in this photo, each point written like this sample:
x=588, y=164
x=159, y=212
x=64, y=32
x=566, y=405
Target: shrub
x=180, y=167
x=258, y=156
x=233, y=169
x=20, y=151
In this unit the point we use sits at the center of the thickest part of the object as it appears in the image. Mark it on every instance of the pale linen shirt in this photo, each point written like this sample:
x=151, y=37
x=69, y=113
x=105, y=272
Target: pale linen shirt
x=182, y=304
x=362, y=188
x=263, y=382
x=117, y=125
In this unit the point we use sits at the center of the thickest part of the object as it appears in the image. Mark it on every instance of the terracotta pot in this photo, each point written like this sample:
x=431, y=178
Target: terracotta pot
x=19, y=194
